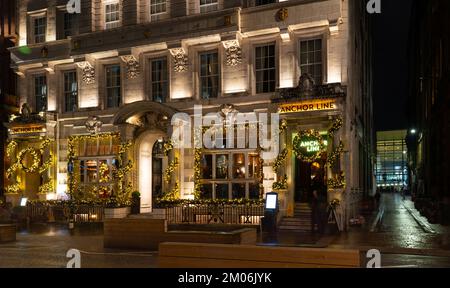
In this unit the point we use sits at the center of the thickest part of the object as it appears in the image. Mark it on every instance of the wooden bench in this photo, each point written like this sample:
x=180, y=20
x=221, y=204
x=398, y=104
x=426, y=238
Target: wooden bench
x=7, y=233
x=196, y=255
x=147, y=234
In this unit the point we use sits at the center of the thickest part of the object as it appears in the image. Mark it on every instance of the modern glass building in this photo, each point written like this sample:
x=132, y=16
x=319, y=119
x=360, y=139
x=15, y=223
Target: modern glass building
x=392, y=156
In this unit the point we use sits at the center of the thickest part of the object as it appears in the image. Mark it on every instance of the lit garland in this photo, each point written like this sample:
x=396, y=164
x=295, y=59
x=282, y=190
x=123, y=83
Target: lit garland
x=335, y=203
x=168, y=146
x=169, y=170
x=187, y=202
x=103, y=170
x=335, y=154
x=338, y=182
x=46, y=187
x=13, y=189
x=283, y=126
x=279, y=161
x=280, y=184
x=11, y=148
x=36, y=160
x=197, y=173
x=173, y=194
x=310, y=134
x=337, y=124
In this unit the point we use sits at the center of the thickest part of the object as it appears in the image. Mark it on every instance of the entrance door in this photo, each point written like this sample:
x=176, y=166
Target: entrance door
x=309, y=177
x=157, y=169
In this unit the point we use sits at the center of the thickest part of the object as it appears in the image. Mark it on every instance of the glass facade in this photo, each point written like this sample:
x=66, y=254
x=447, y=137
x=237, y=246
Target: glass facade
x=392, y=165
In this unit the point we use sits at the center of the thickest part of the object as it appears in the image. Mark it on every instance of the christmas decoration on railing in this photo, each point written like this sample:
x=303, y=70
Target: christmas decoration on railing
x=168, y=173
x=47, y=187
x=337, y=124
x=167, y=203
x=308, y=136
x=281, y=184
x=337, y=182
x=261, y=176
x=280, y=160
x=168, y=146
x=331, y=159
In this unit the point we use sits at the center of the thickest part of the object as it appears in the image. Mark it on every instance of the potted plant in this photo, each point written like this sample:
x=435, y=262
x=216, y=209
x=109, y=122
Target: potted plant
x=135, y=202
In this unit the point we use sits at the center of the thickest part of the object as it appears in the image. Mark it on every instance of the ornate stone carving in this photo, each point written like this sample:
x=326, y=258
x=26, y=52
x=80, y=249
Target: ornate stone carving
x=306, y=83
x=233, y=52
x=88, y=72
x=180, y=59
x=93, y=125
x=132, y=66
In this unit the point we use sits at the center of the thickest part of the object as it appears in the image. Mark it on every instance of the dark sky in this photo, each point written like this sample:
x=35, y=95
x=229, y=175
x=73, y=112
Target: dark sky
x=390, y=37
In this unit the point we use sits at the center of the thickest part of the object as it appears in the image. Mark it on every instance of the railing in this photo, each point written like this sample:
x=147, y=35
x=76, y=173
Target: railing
x=215, y=214
x=45, y=212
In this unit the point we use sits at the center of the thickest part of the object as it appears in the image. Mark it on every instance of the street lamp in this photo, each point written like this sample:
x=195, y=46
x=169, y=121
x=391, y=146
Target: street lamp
x=413, y=131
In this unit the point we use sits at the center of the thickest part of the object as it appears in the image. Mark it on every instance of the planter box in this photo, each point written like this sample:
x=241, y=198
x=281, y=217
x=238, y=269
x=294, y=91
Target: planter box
x=112, y=213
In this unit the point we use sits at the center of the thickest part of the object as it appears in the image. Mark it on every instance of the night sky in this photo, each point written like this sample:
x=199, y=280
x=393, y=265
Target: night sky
x=390, y=37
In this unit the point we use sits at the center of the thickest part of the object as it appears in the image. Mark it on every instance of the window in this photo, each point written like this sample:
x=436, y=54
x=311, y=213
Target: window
x=70, y=91
x=265, y=69
x=40, y=93
x=264, y=2
x=209, y=75
x=157, y=7
x=40, y=29
x=224, y=175
x=208, y=5
x=311, y=59
x=159, y=80
x=113, y=89
x=112, y=14
x=69, y=24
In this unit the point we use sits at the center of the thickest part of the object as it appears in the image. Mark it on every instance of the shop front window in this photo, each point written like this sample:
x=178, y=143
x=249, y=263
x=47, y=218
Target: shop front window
x=224, y=175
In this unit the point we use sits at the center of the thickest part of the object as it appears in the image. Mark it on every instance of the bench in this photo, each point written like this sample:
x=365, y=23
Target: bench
x=7, y=233
x=196, y=255
x=129, y=233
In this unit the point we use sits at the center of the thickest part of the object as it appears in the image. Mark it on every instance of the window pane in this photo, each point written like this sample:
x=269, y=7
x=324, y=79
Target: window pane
x=159, y=80
x=40, y=93
x=253, y=190
x=70, y=91
x=253, y=166
x=238, y=190
x=221, y=166
x=221, y=191
x=91, y=167
x=206, y=191
x=265, y=68
x=206, y=166
x=239, y=166
x=113, y=86
x=209, y=75
x=311, y=59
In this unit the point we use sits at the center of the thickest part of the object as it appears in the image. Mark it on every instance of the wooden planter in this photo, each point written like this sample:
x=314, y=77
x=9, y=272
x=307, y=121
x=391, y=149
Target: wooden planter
x=113, y=213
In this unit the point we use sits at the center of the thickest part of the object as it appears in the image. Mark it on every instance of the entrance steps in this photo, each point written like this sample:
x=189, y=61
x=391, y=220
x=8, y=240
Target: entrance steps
x=301, y=222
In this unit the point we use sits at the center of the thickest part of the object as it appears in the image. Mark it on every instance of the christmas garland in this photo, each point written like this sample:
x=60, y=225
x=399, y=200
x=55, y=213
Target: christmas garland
x=335, y=154
x=46, y=187
x=197, y=173
x=168, y=146
x=280, y=184
x=338, y=182
x=163, y=203
x=36, y=160
x=13, y=188
x=169, y=170
x=173, y=194
x=11, y=148
x=279, y=161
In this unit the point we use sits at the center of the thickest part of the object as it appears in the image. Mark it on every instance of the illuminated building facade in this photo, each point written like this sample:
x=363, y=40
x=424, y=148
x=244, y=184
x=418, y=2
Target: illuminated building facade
x=392, y=160
x=117, y=73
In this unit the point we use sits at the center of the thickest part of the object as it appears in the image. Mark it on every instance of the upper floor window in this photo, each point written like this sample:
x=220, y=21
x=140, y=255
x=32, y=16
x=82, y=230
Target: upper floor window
x=40, y=93
x=159, y=80
x=112, y=14
x=69, y=24
x=265, y=68
x=264, y=2
x=70, y=91
x=311, y=59
x=209, y=75
x=208, y=5
x=40, y=29
x=157, y=8
x=113, y=86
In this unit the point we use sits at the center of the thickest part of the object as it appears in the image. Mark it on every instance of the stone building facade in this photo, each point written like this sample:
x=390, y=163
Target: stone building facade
x=127, y=67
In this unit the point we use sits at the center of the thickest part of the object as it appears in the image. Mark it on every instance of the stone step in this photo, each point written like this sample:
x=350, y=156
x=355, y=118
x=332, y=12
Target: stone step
x=295, y=229
x=295, y=220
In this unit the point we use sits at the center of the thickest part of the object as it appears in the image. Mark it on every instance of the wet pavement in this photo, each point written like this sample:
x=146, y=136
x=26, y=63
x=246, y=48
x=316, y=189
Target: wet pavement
x=404, y=238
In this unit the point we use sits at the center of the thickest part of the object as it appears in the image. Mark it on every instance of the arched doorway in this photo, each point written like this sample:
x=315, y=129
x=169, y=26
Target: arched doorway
x=150, y=168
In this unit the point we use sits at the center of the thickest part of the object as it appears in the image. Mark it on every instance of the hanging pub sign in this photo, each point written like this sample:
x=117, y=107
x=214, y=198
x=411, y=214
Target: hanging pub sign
x=309, y=145
x=308, y=106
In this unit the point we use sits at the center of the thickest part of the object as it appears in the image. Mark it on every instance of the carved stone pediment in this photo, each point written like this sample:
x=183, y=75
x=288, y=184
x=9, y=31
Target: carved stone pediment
x=88, y=72
x=132, y=64
x=233, y=52
x=180, y=59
